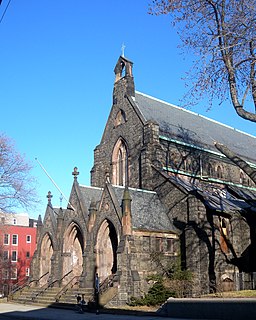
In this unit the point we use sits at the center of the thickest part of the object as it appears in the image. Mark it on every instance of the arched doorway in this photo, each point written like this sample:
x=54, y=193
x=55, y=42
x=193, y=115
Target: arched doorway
x=73, y=249
x=45, y=259
x=106, y=247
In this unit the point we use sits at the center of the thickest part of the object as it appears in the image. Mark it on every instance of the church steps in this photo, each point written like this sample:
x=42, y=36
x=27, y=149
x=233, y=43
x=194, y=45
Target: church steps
x=48, y=298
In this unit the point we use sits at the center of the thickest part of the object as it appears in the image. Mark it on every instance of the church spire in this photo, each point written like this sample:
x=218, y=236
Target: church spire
x=123, y=73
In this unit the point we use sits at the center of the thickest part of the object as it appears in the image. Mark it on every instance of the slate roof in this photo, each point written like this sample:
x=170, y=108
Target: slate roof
x=147, y=211
x=186, y=126
x=214, y=200
x=90, y=194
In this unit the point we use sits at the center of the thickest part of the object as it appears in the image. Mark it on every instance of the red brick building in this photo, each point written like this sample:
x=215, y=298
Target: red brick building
x=17, y=246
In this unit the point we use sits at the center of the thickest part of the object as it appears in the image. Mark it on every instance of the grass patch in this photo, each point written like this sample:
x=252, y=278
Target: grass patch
x=233, y=294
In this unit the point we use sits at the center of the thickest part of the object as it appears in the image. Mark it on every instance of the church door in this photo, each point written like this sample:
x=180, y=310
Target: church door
x=45, y=259
x=106, y=248
x=73, y=252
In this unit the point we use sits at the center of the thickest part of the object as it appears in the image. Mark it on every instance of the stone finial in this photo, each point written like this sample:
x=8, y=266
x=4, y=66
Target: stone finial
x=39, y=220
x=75, y=173
x=49, y=197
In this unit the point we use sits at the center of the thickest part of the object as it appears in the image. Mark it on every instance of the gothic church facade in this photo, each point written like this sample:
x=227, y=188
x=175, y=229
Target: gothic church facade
x=157, y=185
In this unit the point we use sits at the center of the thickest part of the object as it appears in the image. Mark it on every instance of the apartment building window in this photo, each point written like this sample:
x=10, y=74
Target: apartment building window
x=14, y=256
x=28, y=238
x=14, y=273
x=6, y=238
x=27, y=272
x=27, y=254
x=5, y=255
x=5, y=274
x=15, y=239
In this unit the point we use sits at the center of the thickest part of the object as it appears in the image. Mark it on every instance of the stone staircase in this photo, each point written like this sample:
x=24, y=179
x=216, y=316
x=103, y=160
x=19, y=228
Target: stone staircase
x=64, y=297
x=50, y=297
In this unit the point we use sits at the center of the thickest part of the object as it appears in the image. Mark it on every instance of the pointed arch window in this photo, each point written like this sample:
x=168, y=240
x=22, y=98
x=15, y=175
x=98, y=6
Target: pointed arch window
x=224, y=235
x=219, y=172
x=120, y=164
x=210, y=170
x=241, y=178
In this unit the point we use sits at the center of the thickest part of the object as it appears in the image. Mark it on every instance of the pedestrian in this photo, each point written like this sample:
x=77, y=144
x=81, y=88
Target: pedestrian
x=78, y=299
x=83, y=303
x=97, y=292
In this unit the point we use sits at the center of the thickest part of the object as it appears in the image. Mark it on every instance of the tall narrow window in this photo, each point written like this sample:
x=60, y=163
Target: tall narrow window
x=27, y=272
x=120, y=164
x=14, y=256
x=209, y=170
x=170, y=245
x=14, y=273
x=6, y=255
x=219, y=172
x=223, y=235
x=242, y=179
x=15, y=239
x=6, y=238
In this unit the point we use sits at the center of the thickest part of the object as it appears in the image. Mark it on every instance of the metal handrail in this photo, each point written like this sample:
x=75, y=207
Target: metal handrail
x=65, y=288
x=49, y=285
x=106, y=283
x=28, y=283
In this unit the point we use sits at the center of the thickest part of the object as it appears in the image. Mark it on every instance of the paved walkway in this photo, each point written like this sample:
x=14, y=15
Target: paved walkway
x=19, y=311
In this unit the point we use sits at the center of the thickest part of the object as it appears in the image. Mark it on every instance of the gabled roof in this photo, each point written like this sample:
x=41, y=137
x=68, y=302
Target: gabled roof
x=90, y=194
x=186, y=126
x=148, y=213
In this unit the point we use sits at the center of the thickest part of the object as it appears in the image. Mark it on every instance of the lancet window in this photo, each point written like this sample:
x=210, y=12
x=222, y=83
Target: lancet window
x=120, y=164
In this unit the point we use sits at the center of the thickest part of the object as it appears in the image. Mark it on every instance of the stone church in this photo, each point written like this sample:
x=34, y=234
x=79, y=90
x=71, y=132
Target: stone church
x=158, y=185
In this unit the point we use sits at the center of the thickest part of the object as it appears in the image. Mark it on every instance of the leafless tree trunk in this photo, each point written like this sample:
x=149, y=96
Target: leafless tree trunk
x=17, y=187
x=222, y=34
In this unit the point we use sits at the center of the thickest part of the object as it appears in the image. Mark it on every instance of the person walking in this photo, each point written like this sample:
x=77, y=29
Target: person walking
x=97, y=292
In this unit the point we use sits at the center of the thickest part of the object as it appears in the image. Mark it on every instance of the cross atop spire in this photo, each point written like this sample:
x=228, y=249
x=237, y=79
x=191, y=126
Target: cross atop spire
x=49, y=197
x=75, y=173
x=122, y=49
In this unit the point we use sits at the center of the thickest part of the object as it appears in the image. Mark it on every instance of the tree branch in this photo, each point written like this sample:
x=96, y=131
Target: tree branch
x=242, y=164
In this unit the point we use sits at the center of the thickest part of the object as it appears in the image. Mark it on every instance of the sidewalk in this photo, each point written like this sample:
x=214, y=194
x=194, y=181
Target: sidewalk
x=19, y=311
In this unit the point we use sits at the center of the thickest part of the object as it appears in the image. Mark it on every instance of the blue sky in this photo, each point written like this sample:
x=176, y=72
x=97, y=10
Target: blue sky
x=56, y=79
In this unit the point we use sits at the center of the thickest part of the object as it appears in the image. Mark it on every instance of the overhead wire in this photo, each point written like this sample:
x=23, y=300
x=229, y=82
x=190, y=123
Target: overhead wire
x=2, y=17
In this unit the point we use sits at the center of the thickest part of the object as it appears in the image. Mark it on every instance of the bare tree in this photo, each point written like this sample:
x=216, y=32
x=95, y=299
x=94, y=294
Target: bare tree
x=17, y=187
x=221, y=33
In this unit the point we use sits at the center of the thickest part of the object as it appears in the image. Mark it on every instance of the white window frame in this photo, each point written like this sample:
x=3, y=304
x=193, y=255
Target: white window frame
x=17, y=240
x=16, y=256
x=27, y=272
x=8, y=239
x=5, y=274
x=28, y=236
x=14, y=273
x=5, y=258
